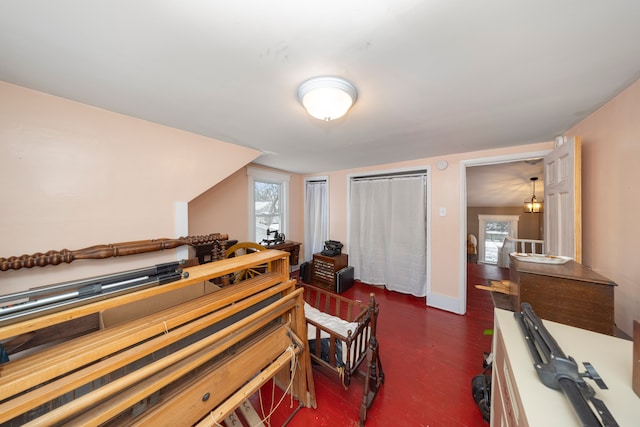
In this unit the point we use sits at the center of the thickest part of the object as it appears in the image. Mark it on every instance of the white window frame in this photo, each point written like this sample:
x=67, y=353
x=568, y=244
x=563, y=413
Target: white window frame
x=482, y=221
x=263, y=175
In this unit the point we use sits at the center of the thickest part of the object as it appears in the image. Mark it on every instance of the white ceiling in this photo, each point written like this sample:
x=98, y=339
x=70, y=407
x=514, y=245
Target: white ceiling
x=504, y=184
x=434, y=77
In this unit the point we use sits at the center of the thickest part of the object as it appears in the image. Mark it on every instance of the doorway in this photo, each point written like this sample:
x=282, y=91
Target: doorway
x=485, y=195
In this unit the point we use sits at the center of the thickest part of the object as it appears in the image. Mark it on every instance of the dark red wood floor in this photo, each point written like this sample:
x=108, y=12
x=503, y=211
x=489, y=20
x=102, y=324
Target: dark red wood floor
x=428, y=356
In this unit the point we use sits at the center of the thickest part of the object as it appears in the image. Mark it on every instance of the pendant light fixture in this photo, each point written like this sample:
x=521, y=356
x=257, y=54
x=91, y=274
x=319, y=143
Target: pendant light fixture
x=533, y=205
x=327, y=98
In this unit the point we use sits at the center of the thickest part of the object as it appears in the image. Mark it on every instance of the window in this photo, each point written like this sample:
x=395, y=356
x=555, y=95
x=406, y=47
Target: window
x=268, y=203
x=493, y=230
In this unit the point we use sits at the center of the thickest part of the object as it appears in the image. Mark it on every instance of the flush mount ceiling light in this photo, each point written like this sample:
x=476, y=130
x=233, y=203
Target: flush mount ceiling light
x=327, y=98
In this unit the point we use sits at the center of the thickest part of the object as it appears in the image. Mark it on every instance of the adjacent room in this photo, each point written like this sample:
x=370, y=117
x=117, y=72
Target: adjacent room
x=416, y=186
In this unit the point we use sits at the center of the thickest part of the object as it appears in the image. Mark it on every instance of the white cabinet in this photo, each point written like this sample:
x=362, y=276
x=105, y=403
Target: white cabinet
x=518, y=398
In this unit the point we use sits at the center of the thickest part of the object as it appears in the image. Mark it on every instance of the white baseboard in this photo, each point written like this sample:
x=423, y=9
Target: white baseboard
x=444, y=303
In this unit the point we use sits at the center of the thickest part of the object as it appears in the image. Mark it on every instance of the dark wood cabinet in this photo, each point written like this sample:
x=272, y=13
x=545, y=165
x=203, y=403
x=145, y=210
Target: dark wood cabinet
x=292, y=247
x=324, y=269
x=568, y=293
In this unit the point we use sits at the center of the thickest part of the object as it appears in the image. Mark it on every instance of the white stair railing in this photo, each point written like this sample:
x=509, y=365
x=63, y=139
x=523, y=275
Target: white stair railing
x=525, y=246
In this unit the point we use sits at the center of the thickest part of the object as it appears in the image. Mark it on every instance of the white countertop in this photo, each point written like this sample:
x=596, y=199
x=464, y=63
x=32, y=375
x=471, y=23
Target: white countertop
x=611, y=357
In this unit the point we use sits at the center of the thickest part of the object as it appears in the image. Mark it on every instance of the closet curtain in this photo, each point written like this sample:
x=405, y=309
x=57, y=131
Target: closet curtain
x=316, y=228
x=388, y=232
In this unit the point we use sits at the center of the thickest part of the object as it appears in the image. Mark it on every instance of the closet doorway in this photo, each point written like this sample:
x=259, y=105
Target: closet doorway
x=388, y=223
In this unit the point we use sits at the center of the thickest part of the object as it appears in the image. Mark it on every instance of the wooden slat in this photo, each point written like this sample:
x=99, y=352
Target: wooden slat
x=25, y=373
x=196, y=274
x=249, y=413
x=99, y=339
x=30, y=383
x=186, y=406
x=232, y=421
x=63, y=331
x=303, y=389
x=251, y=387
x=501, y=286
x=180, y=362
x=43, y=394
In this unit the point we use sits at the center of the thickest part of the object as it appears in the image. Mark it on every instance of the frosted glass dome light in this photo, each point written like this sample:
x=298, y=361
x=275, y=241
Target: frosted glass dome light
x=327, y=98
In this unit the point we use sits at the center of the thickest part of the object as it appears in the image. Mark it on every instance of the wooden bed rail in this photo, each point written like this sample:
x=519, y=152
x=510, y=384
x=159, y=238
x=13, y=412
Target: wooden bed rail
x=54, y=257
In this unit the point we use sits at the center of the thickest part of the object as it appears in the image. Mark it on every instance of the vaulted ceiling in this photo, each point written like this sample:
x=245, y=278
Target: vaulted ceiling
x=434, y=77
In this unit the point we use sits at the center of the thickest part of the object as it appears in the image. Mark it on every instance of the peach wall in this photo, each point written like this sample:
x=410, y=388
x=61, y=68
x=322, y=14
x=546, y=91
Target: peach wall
x=224, y=207
x=75, y=176
x=447, y=233
x=296, y=207
x=611, y=199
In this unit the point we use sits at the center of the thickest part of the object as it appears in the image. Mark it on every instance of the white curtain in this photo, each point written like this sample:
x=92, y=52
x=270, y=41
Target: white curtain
x=316, y=229
x=388, y=232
